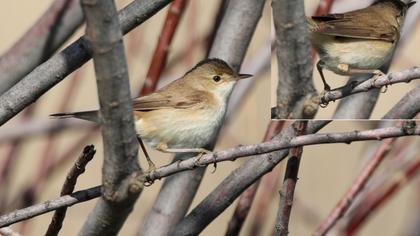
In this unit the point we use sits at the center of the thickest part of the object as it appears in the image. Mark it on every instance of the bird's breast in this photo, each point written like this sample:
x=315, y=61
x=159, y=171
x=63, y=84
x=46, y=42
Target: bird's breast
x=180, y=128
x=357, y=53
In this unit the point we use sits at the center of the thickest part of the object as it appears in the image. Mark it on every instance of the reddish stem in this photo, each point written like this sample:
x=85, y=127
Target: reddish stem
x=378, y=200
x=355, y=189
x=161, y=51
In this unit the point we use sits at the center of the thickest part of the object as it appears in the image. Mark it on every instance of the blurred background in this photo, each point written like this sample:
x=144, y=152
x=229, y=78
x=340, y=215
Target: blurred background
x=406, y=56
x=33, y=167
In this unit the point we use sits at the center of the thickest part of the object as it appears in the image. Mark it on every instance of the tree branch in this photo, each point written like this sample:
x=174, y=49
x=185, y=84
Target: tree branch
x=280, y=142
x=296, y=94
x=120, y=171
x=68, y=187
x=396, y=77
x=50, y=205
x=55, y=69
x=289, y=184
x=51, y=30
x=407, y=108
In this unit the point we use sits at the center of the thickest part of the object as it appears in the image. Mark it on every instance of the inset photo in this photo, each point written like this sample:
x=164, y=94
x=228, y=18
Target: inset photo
x=346, y=60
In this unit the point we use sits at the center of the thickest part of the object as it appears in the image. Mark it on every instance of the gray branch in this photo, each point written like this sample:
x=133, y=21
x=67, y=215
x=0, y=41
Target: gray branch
x=54, y=70
x=296, y=94
x=233, y=185
x=274, y=152
x=408, y=107
x=54, y=27
x=120, y=170
x=396, y=77
x=50, y=205
x=230, y=44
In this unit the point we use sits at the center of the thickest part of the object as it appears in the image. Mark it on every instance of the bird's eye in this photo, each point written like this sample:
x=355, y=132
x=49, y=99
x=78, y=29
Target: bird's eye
x=216, y=78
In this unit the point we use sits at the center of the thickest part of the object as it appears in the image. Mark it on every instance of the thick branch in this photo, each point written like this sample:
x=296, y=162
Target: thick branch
x=54, y=70
x=54, y=27
x=120, y=171
x=407, y=108
x=296, y=94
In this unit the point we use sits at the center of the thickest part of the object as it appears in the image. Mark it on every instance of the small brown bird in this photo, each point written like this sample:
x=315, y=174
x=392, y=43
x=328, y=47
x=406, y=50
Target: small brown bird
x=357, y=42
x=184, y=115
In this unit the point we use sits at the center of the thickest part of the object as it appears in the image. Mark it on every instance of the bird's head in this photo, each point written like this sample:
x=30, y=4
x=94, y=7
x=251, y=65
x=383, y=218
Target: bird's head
x=215, y=76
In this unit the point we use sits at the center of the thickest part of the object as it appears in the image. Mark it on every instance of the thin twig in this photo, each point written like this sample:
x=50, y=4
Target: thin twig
x=68, y=187
x=373, y=83
x=158, y=62
x=355, y=189
x=287, y=191
x=50, y=205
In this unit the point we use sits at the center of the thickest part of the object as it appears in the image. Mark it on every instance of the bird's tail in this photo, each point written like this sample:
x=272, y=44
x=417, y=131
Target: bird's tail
x=84, y=115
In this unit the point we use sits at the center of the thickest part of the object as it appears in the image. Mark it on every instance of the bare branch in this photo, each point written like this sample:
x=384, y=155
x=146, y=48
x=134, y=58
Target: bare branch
x=120, y=171
x=407, y=108
x=54, y=27
x=284, y=140
x=296, y=94
x=396, y=77
x=50, y=205
x=287, y=191
x=230, y=44
x=54, y=70
x=68, y=187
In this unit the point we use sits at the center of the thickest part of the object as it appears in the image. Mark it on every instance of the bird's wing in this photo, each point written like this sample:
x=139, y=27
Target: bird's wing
x=354, y=25
x=156, y=101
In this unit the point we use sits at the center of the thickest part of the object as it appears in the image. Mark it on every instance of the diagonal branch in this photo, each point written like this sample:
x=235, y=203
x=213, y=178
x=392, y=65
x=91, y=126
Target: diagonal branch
x=120, y=170
x=407, y=108
x=396, y=77
x=68, y=187
x=55, y=69
x=54, y=27
x=158, y=62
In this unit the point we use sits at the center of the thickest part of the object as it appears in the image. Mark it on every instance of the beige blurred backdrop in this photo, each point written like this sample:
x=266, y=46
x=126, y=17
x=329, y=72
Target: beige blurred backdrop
x=407, y=56
x=325, y=173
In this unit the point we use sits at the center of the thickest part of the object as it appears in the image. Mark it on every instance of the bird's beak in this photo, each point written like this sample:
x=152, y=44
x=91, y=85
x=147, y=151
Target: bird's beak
x=410, y=4
x=243, y=76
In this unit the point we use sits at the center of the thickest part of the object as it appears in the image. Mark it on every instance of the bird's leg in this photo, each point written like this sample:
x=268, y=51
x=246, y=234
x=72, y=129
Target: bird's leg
x=201, y=151
x=152, y=166
x=320, y=66
x=376, y=74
